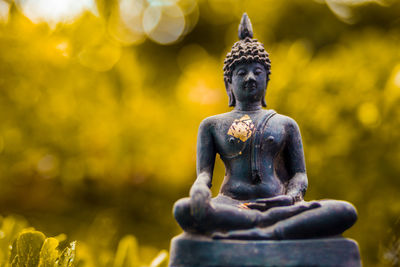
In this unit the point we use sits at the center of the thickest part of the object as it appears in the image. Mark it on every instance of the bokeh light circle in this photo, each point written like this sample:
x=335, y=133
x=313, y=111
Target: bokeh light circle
x=129, y=9
x=130, y=12
x=4, y=11
x=52, y=12
x=125, y=23
x=163, y=24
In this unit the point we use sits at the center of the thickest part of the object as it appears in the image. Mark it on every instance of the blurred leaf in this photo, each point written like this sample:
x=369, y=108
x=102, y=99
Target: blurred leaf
x=49, y=253
x=127, y=253
x=28, y=249
x=67, y=257
x=14, y=254
x=61, y=237
x=11, y=226
x=161, y=260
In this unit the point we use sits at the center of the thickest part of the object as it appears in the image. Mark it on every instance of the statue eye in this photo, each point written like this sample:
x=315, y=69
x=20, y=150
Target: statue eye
x=257, y=72
x=241, y=72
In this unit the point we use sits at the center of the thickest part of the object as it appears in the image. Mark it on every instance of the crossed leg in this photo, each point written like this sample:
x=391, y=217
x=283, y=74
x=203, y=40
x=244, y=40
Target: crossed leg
x=228, y=217
x=331, y=218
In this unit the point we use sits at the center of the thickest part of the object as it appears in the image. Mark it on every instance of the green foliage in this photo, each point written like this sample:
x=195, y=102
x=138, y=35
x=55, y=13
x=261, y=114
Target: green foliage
x=92, y=123
x=30, y=248
x=127, y=255
x=10, y=228
x=161, y=260
x=67, y=257
x=49, y=253
x=27, y=249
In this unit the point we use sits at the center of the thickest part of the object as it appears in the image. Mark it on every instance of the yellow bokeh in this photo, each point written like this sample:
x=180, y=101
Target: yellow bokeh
x=368, y=114
x=100, y=103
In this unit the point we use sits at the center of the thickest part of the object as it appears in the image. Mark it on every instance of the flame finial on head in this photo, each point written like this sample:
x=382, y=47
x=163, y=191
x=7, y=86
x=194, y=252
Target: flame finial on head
x=245, y=28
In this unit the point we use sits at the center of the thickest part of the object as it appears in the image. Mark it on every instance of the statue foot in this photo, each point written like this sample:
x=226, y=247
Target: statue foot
x=314, y=204
x=250, y=234
x=305, y=206
x=277, y=214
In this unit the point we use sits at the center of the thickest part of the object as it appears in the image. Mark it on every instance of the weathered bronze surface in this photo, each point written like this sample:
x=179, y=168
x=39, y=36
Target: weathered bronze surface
x=324, y=252
x=261, y=197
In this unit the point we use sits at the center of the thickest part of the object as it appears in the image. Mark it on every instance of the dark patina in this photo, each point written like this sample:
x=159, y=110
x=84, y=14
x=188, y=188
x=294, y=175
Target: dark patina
x=261, y=197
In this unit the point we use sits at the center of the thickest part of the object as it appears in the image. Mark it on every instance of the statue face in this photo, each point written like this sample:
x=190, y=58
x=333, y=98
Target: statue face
x=249, y=81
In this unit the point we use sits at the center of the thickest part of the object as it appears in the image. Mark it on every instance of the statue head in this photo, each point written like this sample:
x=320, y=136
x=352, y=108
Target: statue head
x=245, y=52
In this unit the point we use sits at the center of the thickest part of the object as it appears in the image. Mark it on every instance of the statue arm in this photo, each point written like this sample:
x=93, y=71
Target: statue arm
x=205, y=158
x=200, y=194
x=295, y=163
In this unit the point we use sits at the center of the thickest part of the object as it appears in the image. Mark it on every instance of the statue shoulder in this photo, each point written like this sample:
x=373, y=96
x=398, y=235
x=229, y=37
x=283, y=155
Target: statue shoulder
x=212, y=121
x=287, y=122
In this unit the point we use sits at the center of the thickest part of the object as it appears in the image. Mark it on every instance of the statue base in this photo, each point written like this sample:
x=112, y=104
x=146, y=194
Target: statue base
x=190, y=250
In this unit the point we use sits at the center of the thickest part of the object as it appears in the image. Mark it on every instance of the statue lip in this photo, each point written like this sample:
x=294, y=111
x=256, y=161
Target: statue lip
x=250, y=86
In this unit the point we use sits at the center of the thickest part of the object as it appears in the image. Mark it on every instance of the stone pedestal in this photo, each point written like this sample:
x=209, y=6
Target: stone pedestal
x=188, y=250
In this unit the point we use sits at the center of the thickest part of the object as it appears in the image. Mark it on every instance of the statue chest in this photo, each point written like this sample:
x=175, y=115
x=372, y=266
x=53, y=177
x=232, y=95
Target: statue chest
x=235, y=139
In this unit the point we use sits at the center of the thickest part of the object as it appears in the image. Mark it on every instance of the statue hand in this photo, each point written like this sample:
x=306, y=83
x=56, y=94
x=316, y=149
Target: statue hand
x=200, y=196
x=264, y=204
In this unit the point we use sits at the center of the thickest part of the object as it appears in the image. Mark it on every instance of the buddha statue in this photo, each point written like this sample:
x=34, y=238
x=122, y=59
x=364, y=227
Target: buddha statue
x=262, y=195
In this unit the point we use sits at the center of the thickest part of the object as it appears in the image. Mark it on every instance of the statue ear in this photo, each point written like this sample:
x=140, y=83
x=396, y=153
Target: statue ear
x=231, y=96
x=232, y=100
x=263, y=101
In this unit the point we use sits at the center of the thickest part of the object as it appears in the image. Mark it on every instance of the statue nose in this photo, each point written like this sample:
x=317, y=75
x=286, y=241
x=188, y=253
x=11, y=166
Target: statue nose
x=250, y=77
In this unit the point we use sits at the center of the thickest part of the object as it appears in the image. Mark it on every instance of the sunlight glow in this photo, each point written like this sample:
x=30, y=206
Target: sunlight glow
x=342, y=8
x=4, y=11
x=55, y=11
x=163, y=24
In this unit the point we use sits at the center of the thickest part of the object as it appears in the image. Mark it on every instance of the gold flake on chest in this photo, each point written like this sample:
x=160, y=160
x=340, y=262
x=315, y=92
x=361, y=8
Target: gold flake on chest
x=242, y=128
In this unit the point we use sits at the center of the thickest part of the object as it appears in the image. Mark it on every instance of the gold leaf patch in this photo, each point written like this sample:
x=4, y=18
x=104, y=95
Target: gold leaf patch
x=242, y=128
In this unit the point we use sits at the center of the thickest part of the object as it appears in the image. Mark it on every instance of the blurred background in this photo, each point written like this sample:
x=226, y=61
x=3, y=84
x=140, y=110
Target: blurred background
x=100, y=102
